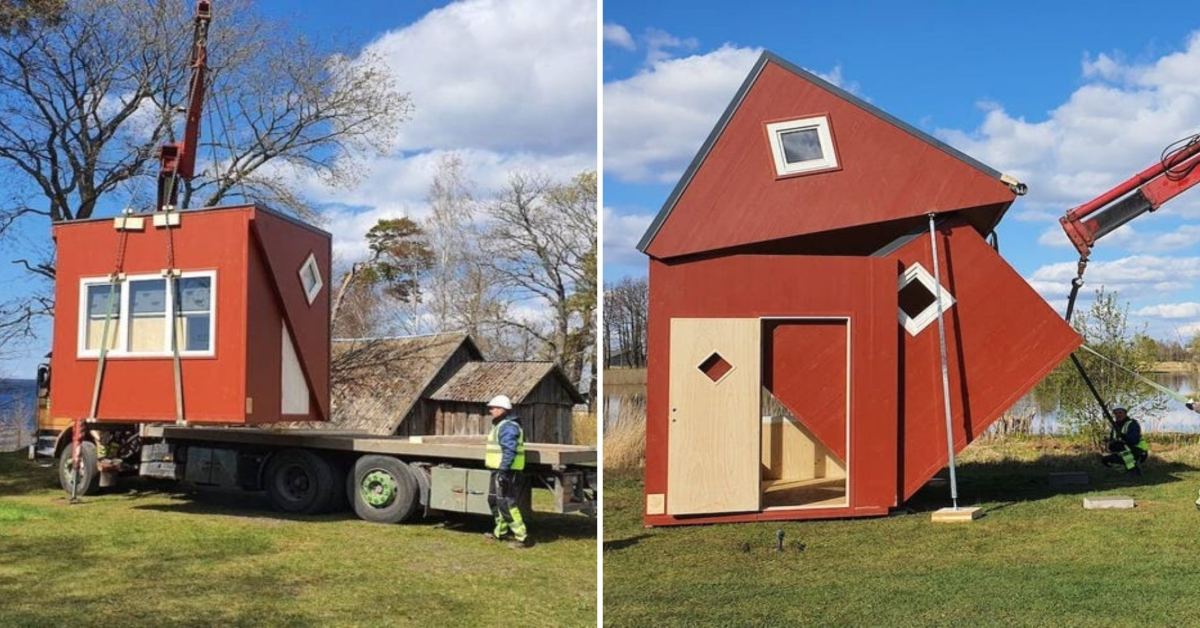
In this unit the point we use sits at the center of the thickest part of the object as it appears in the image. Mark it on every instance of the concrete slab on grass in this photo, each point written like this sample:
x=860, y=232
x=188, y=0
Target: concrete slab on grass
x=1068, y=478
x=962, y=515
x=1106, y=502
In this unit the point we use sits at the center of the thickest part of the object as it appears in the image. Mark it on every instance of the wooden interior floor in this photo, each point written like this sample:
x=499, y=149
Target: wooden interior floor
x=819, y=492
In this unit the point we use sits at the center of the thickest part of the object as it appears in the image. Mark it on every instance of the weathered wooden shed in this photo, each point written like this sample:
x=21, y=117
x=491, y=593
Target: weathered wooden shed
x=381, y=385
x=541, y=394
x=439, y=384
x=794, y=369
x=251, y=317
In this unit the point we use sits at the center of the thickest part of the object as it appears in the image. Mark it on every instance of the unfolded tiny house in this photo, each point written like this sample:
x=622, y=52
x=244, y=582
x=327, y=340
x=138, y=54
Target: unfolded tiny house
x=794, y=369
x=251, y=318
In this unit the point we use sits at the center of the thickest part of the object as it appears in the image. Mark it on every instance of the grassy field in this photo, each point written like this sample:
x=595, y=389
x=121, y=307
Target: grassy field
x=1035, y=558
x=157, y=557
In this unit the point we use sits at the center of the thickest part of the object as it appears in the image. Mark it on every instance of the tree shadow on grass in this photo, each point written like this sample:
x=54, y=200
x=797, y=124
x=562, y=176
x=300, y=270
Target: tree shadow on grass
x=21, y=476
x=1008, y=482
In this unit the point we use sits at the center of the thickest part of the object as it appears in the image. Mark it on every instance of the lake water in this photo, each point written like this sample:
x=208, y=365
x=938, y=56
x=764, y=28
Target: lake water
x=17, y=397
x=1177, y=418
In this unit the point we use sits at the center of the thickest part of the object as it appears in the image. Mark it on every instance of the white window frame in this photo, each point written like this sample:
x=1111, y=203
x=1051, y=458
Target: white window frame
x=915, y=325
x=122, y=321
x=829, y=159
x=311, y=292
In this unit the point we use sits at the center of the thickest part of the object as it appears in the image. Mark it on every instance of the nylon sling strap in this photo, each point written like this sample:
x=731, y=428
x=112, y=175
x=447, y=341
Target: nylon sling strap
x=172, y=275
x=1145, y=380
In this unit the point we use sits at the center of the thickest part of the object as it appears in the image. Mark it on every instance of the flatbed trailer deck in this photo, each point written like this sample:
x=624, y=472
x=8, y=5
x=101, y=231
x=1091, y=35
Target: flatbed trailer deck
x=386, y=479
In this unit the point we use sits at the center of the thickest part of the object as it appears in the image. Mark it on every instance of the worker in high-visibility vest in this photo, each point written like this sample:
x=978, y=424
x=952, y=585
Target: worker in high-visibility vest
x=506, y=457
x=1126, y=445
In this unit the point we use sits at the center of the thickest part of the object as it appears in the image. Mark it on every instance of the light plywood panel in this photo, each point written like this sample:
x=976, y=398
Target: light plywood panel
x=714, y=434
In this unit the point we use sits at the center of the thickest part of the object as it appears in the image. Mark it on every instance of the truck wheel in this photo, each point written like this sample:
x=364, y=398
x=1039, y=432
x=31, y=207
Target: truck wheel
x=382, y=489
x=89, y=474
x=300, y=481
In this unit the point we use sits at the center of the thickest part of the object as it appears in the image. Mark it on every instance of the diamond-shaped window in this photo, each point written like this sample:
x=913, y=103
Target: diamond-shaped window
x=918, y=299
x=715, y=367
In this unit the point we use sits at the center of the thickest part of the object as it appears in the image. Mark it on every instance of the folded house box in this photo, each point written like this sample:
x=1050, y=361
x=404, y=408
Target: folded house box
x=251, y=316
x=794, y=365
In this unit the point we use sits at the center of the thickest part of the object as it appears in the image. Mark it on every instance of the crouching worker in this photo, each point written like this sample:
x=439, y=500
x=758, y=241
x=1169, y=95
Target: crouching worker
x=506, y=457
x=1126, y=445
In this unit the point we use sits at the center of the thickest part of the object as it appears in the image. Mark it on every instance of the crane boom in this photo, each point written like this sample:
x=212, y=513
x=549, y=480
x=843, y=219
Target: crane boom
x=178, y=159
x=1146, y=191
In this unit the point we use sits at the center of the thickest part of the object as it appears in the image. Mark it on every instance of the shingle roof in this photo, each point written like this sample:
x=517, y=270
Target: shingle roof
x=377, y=381
x=478, y=382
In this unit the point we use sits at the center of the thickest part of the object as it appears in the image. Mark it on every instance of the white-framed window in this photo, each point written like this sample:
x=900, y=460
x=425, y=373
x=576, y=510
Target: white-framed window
x=310, y=278
x=802, y=145
x=918, y=299
x=143, y=307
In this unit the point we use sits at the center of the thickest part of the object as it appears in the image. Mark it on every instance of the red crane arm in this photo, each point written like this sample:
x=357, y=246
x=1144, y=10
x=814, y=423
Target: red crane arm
x=1146, y=191
x=178, y=159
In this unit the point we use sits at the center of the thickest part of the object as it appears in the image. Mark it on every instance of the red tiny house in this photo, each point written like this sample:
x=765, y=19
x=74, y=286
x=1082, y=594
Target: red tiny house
x=797, y=248
x=237, y=301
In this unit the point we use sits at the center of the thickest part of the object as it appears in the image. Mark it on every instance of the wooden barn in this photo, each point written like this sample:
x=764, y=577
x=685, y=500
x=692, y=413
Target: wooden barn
x=541, y=394
x=250, y=305
x=794, y=363
x=439, y=385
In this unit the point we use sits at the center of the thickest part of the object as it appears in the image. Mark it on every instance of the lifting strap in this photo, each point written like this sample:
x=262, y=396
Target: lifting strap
x=1145, y=380
x=1076, y=284
x=172, y=275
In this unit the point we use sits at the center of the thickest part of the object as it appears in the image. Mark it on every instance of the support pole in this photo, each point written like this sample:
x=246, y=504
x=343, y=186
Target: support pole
x=76, y=459
x=937, y=279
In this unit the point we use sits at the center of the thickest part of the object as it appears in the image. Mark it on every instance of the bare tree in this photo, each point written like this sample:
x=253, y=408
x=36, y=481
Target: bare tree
x=626, y=304
x=86, y=100
x=541, y=244
x=21, y=15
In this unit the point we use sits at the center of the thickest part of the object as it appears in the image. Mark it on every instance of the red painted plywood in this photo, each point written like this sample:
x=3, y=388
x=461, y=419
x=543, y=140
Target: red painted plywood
x=776, y=286
x=142, y=388
x=805, y=368
x=284, y=246
x=1002, y=339
x=886, y=173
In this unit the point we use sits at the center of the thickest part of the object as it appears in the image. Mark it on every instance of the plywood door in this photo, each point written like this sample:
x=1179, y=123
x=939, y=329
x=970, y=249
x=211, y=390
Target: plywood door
x=713, y=438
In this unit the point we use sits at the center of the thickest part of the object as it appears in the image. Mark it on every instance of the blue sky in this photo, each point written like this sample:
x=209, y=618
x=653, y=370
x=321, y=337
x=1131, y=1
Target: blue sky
x=1070, y=101
x=506, y=85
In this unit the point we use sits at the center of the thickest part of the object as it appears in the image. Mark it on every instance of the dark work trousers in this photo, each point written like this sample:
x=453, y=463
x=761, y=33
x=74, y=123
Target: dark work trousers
x=504, y=492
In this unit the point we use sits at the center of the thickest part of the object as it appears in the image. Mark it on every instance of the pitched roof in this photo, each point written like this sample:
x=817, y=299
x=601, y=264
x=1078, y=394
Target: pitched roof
x=376, y=381
x=768, y=58
x=478, y=382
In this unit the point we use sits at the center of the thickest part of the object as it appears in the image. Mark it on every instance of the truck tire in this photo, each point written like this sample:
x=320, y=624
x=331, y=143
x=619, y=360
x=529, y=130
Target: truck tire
x=382, y=489
x=89, y=474
x=300, y=481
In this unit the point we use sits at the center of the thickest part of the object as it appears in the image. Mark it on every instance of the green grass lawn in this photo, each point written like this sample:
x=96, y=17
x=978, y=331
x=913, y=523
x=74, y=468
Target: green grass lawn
x=1035, y=558
x=153, y=556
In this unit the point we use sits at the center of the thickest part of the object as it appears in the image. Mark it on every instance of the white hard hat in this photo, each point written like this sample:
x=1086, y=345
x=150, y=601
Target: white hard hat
x=500, y=401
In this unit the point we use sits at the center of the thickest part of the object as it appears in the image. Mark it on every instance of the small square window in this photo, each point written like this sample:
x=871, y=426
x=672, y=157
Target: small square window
x=918, y=301
x=802, y=145
x=310, y=278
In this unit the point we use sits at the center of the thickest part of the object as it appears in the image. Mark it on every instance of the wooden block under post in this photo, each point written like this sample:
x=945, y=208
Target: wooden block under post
x=961, y=515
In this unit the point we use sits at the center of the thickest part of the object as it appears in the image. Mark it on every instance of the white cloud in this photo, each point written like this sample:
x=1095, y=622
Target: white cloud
x=1171, y=310
x=660, y=45
x=1112, y=126
x=622, y=232
x=655, y=120
x=1134, y=276
x=619, y=36
x=498, y=75
x=397, y=186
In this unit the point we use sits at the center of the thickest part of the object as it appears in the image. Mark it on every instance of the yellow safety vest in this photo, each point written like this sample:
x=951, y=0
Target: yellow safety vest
x=495, y=453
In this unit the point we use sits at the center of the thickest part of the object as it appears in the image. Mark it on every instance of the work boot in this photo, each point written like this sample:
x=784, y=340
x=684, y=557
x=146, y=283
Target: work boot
x=519, y=543
x=491, y=536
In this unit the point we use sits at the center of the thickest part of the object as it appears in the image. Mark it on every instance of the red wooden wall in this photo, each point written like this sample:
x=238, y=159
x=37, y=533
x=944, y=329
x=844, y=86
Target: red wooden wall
x=215, y=388
x=886, y=173
x=741, y=286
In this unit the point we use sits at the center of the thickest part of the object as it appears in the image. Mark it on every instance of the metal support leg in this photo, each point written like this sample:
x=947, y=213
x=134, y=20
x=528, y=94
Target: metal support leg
x=937, y=279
